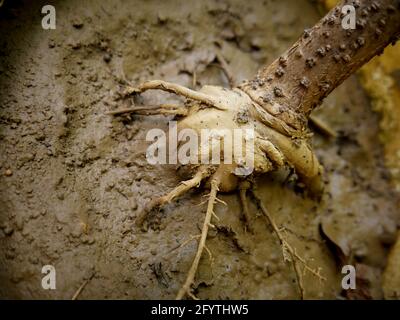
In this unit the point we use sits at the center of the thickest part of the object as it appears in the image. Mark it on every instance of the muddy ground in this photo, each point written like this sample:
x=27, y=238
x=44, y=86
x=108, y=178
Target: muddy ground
x=73, y=179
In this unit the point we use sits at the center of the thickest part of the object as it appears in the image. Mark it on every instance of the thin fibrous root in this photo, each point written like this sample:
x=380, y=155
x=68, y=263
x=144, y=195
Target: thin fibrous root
x=80, y=289
x=182, y=188
x=322, y=126
x=225, y=68
x=244, y=186
x=186, y=288
x=166, y=109
x=289, y=253
x=179, y=90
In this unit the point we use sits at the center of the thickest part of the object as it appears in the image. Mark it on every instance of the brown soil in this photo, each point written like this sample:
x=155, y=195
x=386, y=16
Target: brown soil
x=73, y=179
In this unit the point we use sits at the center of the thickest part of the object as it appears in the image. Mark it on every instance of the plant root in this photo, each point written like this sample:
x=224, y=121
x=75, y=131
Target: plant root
x=243, y=187
x=225, y=68
x=167, y=109
x=181, y=189
x=186, y=288
x=82, y=286
x=178, y=90
x=322, y=126
x=289, y=253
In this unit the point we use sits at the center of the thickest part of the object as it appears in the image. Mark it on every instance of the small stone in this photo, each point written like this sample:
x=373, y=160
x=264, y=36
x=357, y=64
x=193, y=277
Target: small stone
x=8, y=173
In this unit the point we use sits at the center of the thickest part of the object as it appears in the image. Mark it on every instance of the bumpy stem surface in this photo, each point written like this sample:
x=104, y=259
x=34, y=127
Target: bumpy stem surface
x=323, y=58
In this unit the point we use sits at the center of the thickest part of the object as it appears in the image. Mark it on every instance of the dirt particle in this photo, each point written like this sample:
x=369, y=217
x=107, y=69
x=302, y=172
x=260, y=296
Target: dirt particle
x=391, y=9
x=278, y=92
x=279, y=72
x=360, y=41
x=331, y=20
x=305, y=82
x=375, y=6
x=336, y=57
x=346, y=58
x=364, y=13
x=360, y=24
x=8, y=173
x=267, y=98
x=321, y=52
x=306, y=33
x=51, y=43
x=283, y=61
x=378, y=32
x=107, y=57
x=77, y=24
x=310, y=62
x=8, y=230
x=162, y=18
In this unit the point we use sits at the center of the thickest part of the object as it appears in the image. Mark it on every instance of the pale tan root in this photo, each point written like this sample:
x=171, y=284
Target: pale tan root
x=288, y=252
x=186, y=288
x=166, y=109
x=178, y=90
x=182, y=188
